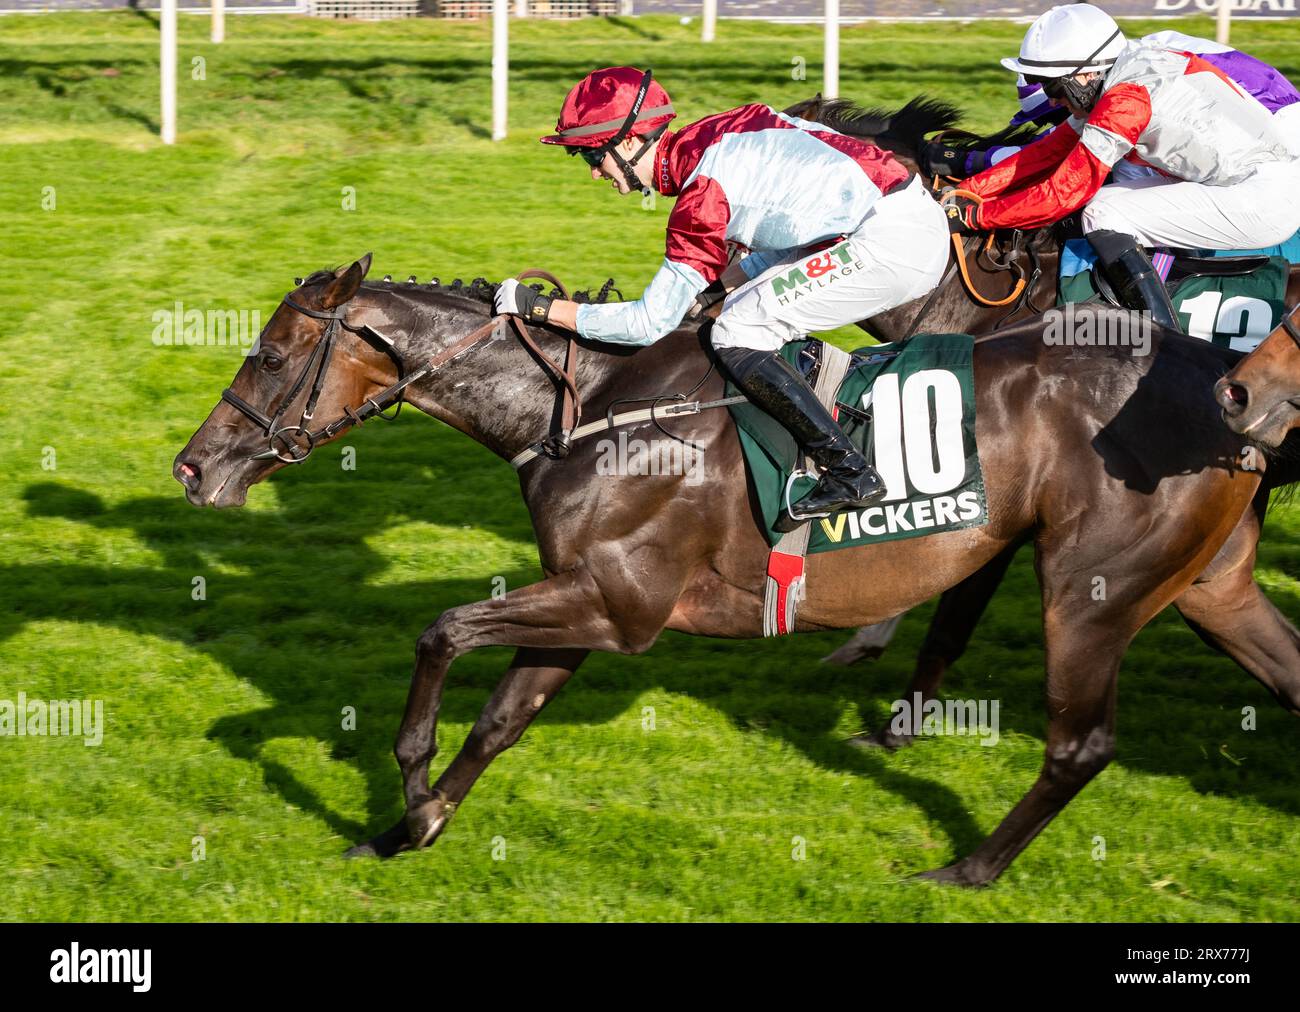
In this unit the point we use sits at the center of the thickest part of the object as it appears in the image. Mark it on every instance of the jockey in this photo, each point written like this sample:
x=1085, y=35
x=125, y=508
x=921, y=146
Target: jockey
x=1226, y=178
x=1267, y=84
x=836, y=228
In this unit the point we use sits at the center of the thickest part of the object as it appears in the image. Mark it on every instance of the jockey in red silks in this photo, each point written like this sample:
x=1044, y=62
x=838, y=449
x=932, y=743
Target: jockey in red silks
x=1225, y=177
x=1255, y=77
x=837, y=231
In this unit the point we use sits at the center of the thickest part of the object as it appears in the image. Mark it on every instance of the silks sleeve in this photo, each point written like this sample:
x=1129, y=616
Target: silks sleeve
x=644, y=321
x=1111, y=132
x=1027, y=165
x=696, y=254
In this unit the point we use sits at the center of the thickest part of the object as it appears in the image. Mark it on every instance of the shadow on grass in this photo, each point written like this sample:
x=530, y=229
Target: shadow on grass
x=296, y=607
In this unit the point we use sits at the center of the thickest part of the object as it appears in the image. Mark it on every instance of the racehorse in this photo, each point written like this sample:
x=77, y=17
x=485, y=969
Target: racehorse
x=1118, y=467
x=1260, y=396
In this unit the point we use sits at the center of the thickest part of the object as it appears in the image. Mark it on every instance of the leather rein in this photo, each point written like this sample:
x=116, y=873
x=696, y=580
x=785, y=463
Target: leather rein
x=555, y=445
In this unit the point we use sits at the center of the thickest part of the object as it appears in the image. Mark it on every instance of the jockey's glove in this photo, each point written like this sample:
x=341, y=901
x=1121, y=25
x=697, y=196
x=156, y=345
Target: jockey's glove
x=520, y=300
x=942, y=160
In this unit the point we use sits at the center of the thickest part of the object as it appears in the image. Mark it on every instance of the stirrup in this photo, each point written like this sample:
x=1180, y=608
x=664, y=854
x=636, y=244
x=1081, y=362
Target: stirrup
x=798, y=518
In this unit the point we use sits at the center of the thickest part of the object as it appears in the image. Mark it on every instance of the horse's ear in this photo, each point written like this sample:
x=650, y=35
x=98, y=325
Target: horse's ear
x=345, y=284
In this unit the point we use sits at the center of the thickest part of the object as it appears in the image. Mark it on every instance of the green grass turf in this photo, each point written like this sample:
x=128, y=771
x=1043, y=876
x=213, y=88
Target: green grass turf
x=224, y=716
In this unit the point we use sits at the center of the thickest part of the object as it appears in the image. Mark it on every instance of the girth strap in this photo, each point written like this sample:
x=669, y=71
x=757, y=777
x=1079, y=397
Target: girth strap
x=784, y=587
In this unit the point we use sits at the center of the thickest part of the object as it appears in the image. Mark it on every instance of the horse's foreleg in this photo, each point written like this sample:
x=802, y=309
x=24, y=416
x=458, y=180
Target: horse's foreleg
x=558, y=621
x=532, y=681
x=533, y=678
x=1232, y=614
x=1082, y=670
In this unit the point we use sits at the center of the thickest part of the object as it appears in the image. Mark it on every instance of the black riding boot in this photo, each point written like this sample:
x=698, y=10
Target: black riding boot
x=847, y=480
x=1129, y=270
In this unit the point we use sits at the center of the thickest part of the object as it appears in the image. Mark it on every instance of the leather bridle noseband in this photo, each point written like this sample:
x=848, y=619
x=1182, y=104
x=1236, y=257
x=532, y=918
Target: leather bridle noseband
x=555, y=445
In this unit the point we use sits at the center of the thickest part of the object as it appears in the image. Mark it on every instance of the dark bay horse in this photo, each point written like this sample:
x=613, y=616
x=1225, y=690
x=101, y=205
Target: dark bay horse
x=1117, y=467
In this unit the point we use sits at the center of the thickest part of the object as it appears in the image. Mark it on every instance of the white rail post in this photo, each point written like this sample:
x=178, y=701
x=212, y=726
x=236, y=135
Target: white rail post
x=500, y=66
x=521, y=8
x=831, y=51
x=1225, y=19
x=167, y=77
x=218, y=20
x=710, y=21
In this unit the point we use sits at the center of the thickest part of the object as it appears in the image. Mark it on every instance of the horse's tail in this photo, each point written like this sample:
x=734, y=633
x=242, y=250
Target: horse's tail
x=908, y=125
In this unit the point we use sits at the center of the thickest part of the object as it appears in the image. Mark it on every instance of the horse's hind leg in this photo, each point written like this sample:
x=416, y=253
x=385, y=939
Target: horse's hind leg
x=954, y=621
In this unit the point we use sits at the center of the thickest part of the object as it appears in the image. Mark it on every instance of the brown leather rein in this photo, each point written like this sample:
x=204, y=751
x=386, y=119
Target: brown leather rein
x=959, y=251
x=555, y=445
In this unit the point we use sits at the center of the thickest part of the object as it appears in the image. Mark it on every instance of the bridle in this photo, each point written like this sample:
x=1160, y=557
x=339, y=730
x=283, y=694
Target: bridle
x=554, y=445
x=1289, y=326
x=320, y=358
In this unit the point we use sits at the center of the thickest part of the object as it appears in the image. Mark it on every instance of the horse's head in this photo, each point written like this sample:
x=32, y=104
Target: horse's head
x=316, y=363
x=1260, y=397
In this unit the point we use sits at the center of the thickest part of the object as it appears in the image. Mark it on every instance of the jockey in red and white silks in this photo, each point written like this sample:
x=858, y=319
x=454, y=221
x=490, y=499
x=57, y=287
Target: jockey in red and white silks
x=1225, y=177
x=779, y=186
x=837, y=231
x=1255, y=77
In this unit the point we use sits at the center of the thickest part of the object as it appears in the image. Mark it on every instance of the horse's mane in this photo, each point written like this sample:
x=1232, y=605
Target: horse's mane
x=908, y=125
x=479, y=289
x=1017, y=135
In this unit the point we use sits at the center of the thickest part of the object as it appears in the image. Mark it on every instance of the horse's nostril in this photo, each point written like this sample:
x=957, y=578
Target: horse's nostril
x=187, y=474
x=1232, y=397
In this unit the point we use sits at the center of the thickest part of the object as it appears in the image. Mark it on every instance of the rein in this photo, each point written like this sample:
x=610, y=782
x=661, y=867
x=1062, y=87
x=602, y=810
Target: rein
x=555, y=445
x=959, y=251
x=960, y=262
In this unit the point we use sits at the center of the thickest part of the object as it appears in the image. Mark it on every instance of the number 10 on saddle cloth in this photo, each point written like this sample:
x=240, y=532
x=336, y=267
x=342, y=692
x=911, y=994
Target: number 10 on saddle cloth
x=911, y=407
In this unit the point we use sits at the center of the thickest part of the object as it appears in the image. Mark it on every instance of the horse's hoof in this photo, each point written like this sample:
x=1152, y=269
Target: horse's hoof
x=884, y=738
x=959, y=874
x=386, y=844
x=426, y=821
x=851, y=653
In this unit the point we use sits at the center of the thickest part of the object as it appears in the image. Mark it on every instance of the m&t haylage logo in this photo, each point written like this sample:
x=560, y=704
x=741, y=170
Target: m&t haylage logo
x=819, y=272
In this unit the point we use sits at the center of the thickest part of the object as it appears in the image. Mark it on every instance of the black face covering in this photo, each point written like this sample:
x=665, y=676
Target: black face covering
x=1083, y=96
x=1065, y=87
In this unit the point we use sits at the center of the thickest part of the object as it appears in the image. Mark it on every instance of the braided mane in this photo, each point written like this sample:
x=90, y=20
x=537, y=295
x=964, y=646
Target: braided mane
x=479, y=289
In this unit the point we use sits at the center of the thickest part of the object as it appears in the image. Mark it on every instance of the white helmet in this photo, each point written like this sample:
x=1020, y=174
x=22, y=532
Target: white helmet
x=1067, y=40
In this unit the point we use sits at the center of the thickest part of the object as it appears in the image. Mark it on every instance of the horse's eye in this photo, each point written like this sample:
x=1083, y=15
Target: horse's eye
x=272, y=363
